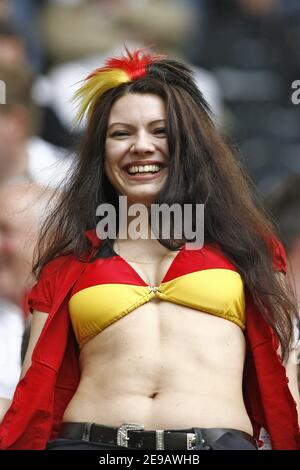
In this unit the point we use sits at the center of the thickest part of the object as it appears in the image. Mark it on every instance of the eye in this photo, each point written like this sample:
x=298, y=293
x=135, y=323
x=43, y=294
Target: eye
x=120, y=134
x=160, y=131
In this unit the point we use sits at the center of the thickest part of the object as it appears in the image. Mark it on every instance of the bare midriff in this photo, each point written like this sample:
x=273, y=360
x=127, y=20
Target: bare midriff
x=165, y=366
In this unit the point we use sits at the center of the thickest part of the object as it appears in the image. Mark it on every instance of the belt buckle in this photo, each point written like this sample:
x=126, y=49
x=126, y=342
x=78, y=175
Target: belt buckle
x=86, y=435
x=122, y=437
x=160, y=445
x=191, y=440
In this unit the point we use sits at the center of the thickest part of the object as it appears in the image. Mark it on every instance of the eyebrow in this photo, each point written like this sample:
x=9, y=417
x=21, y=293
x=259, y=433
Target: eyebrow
x=129, y=125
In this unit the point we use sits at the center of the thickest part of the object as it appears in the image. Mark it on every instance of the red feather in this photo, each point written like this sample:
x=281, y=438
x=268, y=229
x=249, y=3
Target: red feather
x=134, y=63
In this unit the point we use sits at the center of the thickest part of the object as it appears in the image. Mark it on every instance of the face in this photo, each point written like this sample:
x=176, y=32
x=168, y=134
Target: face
x=12, y=132
x=12, y=51
x=136, y=150
x=17, y=227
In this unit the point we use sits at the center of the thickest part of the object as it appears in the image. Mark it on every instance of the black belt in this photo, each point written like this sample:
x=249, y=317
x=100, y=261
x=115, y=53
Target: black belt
x=133, y=436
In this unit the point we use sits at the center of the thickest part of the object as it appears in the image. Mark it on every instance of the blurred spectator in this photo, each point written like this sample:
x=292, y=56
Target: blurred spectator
x=21, y=211
x=22, y=153
x=252, y=47
x=73, y=29
x=24, y=14
x=5, y=9
x=284, y=204
x=12, y=47
x=12, y=325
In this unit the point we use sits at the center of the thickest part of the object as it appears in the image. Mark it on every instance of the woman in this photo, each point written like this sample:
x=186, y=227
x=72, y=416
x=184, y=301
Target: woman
x=159, y=345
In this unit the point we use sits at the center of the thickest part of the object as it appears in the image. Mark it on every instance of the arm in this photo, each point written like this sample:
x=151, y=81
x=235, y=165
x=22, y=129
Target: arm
x=4, y=405
x=38, y=322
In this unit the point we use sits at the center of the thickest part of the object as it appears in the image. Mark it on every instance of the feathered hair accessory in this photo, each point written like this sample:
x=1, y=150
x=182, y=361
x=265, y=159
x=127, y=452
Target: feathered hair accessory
x=115, y=72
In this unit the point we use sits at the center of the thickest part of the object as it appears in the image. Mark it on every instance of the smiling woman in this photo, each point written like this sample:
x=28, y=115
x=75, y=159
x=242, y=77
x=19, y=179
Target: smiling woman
x=143, y=342
x=136, y=149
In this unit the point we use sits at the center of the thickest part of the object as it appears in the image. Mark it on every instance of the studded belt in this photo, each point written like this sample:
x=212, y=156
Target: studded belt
x=134, y=436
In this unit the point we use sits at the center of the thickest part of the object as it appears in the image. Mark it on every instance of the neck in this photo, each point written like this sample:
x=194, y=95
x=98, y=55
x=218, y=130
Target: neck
x=137, y=226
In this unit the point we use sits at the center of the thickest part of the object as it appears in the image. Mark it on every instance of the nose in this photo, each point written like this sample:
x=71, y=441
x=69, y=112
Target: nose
x=142, y=144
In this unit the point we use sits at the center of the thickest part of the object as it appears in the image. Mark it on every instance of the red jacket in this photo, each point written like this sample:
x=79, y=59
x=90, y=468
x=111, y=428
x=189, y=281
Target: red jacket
x=43, y=394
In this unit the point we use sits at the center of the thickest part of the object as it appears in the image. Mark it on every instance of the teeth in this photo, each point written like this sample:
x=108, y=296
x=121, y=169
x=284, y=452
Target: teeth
x=143, y=169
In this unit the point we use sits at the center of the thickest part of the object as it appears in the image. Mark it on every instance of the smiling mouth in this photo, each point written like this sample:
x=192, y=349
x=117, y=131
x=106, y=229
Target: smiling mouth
x=148, y=169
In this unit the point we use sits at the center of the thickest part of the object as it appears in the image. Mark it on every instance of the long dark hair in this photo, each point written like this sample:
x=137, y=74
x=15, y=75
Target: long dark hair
x=202, y=169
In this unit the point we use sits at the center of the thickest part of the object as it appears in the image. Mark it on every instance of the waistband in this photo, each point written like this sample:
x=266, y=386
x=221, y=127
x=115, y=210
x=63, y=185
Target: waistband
x=134, y=436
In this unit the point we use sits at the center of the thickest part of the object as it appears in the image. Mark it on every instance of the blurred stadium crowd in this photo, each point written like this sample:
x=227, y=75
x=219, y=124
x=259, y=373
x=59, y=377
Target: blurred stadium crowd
x=245, y=55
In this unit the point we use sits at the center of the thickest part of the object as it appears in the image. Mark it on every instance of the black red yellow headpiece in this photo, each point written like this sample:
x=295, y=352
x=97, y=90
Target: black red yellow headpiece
x=116, y=71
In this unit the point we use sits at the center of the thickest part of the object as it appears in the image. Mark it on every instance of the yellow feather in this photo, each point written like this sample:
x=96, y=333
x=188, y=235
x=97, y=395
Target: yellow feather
x=94, y=87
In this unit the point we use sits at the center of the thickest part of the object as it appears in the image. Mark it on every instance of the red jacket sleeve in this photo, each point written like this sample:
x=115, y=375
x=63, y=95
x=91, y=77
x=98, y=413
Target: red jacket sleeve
x=43, y=292
x=41, y=295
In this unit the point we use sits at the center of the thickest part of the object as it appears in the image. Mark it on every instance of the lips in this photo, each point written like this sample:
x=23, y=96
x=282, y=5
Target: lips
x=144, y=176
x=143, y=163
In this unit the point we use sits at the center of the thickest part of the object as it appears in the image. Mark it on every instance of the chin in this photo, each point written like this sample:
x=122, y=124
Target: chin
x=146, y=200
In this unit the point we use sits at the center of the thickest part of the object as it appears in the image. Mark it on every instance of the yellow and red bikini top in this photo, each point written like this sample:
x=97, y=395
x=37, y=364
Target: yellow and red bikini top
x=110, y=288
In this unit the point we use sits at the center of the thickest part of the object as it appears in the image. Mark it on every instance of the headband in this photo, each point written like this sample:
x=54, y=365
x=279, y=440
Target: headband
x=115, y=72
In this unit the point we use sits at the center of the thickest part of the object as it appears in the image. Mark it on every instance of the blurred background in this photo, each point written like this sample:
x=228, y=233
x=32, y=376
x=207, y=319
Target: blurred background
x=245, y=53
x=246, y=58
